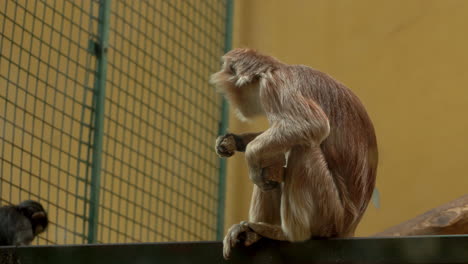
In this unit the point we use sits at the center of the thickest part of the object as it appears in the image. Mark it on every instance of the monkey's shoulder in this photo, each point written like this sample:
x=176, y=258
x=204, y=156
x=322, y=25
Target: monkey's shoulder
x=301, y=68
x=308, y=74
x=9, y=212
x=12, y=216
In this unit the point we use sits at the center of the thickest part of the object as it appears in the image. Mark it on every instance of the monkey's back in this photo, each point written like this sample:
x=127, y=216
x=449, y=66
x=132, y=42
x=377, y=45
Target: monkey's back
x=14, y=226
x=351, y=147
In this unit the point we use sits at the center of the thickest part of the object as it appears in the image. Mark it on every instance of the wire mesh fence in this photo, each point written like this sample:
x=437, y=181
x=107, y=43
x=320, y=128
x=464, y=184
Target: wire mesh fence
x=159, y=178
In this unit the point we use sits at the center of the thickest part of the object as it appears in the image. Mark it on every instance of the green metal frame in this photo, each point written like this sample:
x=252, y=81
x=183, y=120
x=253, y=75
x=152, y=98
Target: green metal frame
x=223, y=127
x=99, y=99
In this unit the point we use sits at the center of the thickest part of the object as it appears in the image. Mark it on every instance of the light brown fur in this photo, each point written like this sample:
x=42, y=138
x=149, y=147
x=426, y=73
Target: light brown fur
x=332, y=161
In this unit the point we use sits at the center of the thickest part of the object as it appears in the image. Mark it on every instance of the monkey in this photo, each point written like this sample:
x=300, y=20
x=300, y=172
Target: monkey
x=20, y=224
x=314, y=168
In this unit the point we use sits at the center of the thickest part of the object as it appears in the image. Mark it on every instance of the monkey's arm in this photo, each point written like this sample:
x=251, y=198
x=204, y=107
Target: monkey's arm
x=228, y=144
x=267, y=230
x=301, y=122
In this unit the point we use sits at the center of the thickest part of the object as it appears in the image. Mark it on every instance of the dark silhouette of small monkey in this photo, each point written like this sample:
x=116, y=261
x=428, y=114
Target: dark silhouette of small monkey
x=20, y=224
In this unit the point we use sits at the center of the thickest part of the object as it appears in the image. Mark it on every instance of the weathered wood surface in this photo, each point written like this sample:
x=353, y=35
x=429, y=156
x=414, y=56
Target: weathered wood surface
x=448, y=219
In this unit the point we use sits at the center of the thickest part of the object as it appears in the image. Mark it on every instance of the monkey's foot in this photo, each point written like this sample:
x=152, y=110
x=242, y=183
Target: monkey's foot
x=237, y=234
x=225, y=145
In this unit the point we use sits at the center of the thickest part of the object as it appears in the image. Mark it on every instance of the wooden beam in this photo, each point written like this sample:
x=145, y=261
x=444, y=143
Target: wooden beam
x=448, y=219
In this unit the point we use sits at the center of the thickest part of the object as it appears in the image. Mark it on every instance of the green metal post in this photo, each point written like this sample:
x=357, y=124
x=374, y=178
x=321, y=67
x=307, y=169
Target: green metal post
x=99, y=98
x=223, y=127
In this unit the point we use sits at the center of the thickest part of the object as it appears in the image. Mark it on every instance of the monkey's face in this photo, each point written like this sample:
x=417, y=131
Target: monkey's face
x=241, y=67
x=37, y=215
x=39, y=229
x=245, y=98
x=239, y=80
x=39, y=222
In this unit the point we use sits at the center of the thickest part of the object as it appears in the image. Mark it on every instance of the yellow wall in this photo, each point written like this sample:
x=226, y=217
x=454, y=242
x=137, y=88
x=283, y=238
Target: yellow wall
x=406, y=60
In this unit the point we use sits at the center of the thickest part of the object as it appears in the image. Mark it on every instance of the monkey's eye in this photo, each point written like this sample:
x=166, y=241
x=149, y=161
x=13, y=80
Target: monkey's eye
x=232, y=70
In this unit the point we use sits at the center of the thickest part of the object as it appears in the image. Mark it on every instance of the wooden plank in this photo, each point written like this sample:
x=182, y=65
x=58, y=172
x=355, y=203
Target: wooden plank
x=448, y=219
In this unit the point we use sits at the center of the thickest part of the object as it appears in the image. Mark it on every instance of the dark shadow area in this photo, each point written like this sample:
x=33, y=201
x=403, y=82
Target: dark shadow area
x=430, y=249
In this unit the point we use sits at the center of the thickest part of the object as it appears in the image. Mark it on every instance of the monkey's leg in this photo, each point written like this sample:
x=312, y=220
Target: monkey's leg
x=264, y=207
x=228, y=144
x=311, y=205
x=296, y=121
x=261, y=214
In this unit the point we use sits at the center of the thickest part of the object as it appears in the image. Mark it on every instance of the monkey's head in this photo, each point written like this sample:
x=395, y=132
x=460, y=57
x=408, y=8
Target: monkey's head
x=36, y=214
x=239, y=79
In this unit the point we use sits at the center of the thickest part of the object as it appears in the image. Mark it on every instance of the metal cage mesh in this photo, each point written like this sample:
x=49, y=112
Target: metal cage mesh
x=160, y=177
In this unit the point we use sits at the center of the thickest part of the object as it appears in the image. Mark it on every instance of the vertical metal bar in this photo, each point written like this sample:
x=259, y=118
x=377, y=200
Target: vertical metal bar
x=223, y=126
x=99, y=98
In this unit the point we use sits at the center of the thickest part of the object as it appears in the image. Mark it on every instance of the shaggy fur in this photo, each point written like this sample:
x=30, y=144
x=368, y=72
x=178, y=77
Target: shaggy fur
x=328, y=135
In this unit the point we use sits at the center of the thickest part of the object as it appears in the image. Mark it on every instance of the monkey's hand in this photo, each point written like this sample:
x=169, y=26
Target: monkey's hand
x=236, y=235
x=226, y=145
x=268, y=178
x=266, y=161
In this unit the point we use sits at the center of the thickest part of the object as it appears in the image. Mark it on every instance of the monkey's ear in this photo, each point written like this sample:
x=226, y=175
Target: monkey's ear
x=38, y=215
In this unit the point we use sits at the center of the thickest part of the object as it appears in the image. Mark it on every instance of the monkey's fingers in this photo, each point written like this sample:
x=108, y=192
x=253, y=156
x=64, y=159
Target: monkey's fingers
x=225, y=146
x=234, y=236
x=250, y=238
x=227, y=246
x=223, y=152
x=237, y=234
x=230, y=241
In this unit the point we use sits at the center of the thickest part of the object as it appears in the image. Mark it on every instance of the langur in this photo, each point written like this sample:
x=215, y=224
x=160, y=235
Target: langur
x=314, y=168
x=20, y=224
